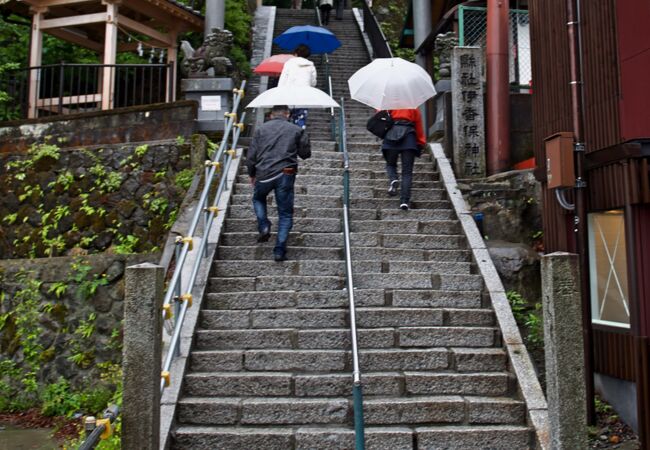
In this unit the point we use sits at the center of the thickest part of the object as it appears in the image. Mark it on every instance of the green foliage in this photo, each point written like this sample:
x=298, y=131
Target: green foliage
x=392, y=24
x=141, y=150
x=86, y=282
x=180, y=140
x=528, y=317
x=126, y=245
x=238, y=21
x=18, y=385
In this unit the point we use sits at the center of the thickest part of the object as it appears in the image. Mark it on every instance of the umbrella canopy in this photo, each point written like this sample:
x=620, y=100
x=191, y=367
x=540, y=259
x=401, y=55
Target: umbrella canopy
x=391, y=83
x=318, y=39
x=272, y=66
x=294, y=96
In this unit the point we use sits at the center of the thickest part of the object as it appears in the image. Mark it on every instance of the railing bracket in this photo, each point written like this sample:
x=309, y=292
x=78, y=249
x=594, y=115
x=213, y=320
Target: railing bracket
x=167, y=377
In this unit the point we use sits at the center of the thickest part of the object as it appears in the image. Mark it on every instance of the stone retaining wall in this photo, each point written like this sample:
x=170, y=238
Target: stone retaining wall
x=59, y=316
x=123, y=125
x=119, y=198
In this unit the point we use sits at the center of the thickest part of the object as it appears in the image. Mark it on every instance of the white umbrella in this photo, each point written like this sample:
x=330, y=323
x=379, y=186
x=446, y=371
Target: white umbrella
x=391, y=83
x=293, y=96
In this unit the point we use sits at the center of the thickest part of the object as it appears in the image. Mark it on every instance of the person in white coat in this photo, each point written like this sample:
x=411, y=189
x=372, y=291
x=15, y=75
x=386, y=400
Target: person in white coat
x=299, y=71
x=325, y=7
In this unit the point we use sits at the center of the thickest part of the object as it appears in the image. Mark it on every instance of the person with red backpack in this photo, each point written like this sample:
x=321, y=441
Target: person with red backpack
x=404, y=140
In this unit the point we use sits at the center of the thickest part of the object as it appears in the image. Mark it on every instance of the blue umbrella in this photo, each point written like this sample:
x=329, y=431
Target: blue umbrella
x=318, y=39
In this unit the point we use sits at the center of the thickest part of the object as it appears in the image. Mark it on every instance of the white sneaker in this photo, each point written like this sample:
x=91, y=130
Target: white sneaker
x=392, y=187
x=404, y=206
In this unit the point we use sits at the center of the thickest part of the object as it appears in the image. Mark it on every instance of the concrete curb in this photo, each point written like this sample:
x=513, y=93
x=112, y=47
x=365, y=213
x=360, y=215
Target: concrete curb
x=529, y=387
x=358, y=16
x=172, y=393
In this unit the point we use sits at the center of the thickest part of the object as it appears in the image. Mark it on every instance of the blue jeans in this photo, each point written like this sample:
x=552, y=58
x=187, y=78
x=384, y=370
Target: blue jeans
x=408, y=160
x=283, y=188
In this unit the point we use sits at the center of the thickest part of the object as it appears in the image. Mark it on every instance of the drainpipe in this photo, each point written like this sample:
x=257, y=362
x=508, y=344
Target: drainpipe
x=580, y=219
x=421, y=30
x=215, y=14
x=498, y=88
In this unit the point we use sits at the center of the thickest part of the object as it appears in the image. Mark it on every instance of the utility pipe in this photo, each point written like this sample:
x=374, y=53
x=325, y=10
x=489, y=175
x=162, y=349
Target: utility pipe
x=498, y=89
x=580, y=219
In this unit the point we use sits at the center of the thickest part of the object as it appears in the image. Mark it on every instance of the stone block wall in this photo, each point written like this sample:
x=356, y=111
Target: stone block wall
x=117, y=126
x=77, y=327
x=120, y=198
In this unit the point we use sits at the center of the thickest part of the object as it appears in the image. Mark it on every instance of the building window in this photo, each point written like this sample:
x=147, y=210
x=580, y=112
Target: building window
x=608, y=269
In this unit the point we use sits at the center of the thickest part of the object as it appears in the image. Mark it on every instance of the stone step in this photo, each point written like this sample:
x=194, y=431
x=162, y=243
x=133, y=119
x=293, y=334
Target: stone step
x=243, y=211
x=356, y=191
x=306, y=267
x=375, y=317
x=333, y=201
x=388, y=241
x=337, y=180
x=257, y=253
x=339, y=299
x=342, y=438
x=355, y=158
x=337, y=338
x=281, y=410
x=322, y=225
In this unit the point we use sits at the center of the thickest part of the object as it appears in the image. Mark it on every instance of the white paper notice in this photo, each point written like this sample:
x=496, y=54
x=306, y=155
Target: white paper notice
x=211, y=102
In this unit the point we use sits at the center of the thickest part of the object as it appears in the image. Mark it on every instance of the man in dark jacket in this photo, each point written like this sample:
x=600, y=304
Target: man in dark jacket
x=272, y=162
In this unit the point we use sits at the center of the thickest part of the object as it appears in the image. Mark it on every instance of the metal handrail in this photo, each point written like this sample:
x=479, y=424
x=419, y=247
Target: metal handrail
x=371, y=27
x=184, y=244
x=101, y=429
x=328, y=76
x=357, y=391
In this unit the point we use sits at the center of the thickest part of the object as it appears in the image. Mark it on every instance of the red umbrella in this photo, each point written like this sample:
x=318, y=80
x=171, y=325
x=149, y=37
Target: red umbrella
x=272, y=66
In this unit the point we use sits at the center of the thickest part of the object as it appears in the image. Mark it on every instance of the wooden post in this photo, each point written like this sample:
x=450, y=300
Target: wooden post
x=110, y=52
x=172, y=56
x=35, y=58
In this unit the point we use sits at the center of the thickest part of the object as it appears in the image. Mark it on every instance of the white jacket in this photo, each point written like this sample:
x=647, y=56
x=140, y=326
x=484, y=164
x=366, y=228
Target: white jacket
x=326, y=2
x=298, y=72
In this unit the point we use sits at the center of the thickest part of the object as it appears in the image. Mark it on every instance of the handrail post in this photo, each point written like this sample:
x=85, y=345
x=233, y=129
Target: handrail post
x=142, y=356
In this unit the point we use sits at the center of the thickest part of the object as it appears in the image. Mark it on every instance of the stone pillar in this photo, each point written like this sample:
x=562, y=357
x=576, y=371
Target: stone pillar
x=142, y=356
x=563, y=348
x=215, y=15
x=468, y=113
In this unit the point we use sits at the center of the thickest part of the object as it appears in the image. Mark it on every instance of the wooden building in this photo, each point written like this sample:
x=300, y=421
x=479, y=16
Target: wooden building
x=615, y=55
x=106, y=27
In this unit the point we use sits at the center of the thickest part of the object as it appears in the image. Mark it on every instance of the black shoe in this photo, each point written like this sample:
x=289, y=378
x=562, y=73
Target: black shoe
x=279, y=257
x=404, y=206
x=392, y=187
x=264, y=235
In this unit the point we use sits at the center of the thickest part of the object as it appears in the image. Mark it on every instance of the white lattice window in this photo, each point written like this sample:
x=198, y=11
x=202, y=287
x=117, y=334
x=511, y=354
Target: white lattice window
x=608, y=269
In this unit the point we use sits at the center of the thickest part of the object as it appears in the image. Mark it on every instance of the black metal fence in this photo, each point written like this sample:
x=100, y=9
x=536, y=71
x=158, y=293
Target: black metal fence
x=74, y=88
x=380, y=47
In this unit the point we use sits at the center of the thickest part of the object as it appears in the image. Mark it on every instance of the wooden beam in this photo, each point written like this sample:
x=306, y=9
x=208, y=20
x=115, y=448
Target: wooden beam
x=69, y=100
x=83, y=19
x=195, y=21
x=76, y=39
x=143, y=29
x=35, y=55
x=48, y=3
x=110, y=51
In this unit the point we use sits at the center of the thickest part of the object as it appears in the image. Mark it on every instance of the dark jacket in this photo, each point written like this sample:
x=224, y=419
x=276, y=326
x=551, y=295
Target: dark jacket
x=276, y=145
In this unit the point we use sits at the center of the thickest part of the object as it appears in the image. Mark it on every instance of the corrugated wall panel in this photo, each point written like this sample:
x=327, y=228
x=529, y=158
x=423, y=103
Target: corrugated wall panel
x=607, y=189
x=551, y=90
x=600, y=73
x=614, y=354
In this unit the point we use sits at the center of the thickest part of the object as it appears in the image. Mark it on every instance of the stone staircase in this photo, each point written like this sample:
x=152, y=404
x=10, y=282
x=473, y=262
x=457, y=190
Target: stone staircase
x=270, y=366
